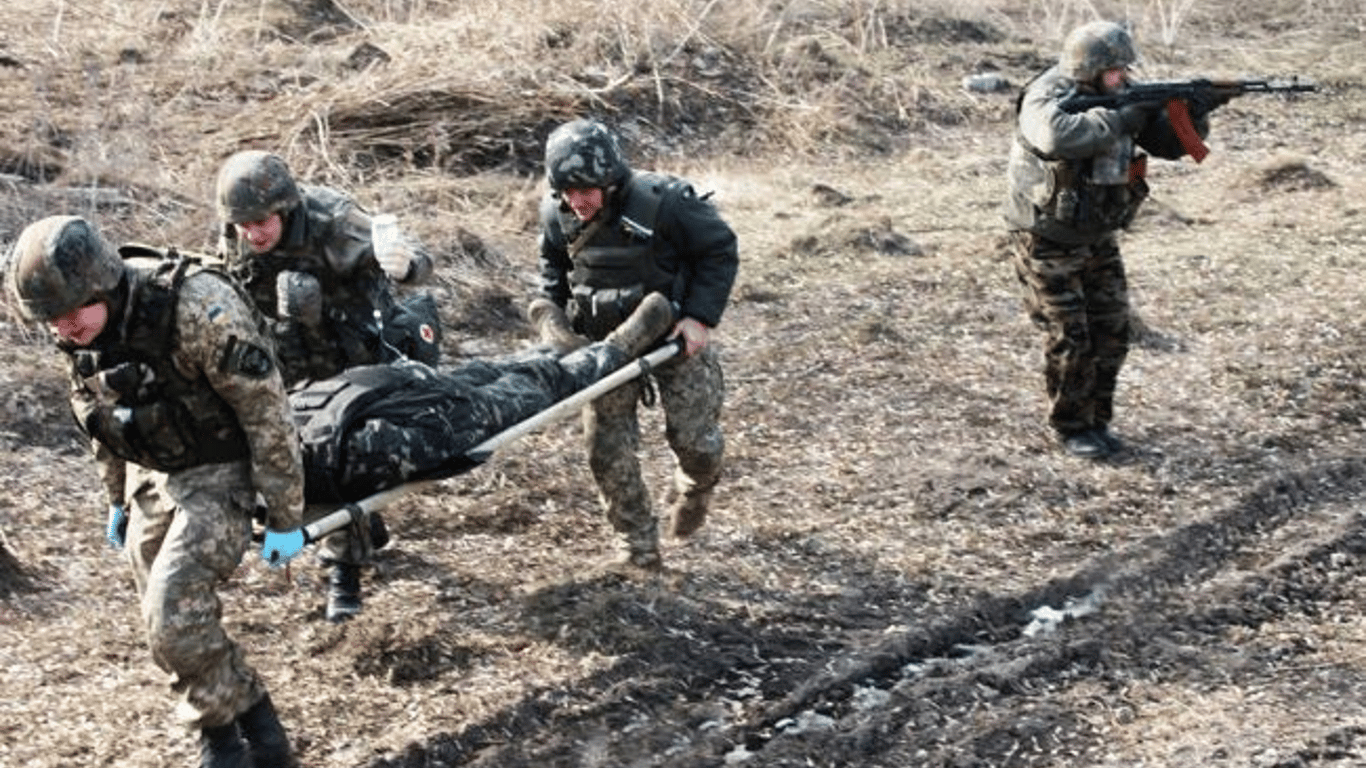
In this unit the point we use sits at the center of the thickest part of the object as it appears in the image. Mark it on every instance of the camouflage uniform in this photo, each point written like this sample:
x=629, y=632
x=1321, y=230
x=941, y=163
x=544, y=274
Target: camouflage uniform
x=375, y=427
x=653, y=234
x=327, y=238
x=1075, y=181
x=191, y=505
x=691, y=392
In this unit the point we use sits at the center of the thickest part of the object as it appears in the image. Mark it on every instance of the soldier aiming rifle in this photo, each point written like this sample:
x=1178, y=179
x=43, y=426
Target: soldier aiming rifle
x=1083, y=135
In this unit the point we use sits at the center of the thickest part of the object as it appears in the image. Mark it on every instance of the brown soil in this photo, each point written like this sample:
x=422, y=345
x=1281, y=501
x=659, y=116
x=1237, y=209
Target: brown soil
x=895, y=523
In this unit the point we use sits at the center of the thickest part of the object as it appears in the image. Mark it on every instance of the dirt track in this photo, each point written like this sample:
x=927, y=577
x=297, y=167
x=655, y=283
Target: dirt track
x=895, y=523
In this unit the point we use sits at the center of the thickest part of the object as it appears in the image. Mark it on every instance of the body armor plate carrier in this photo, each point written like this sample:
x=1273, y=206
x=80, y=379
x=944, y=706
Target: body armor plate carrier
x=135, y=401
x=618, y=267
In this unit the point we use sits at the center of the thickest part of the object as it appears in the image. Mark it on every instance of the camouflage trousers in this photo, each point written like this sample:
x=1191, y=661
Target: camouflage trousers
x=1078, y=295
x=187, y=533
x=691, y=392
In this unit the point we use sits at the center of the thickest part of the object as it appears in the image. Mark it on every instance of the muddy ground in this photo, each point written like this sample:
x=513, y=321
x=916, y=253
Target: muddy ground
x=900, y=568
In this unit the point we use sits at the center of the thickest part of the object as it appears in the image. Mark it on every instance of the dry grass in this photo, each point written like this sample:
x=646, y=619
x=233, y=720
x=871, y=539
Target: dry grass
x=892, y=501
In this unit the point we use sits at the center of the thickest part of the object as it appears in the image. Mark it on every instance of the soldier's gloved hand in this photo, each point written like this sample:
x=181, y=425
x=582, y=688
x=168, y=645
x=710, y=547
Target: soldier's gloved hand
x=396, y=263
x=117, y=528
x=1135, y=117
x=1208, y=101
x=280, y=546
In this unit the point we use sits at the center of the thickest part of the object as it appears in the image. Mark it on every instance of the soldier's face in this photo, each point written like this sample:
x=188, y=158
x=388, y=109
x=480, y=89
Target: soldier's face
x=1112, y=80
x=585, y=202
x=82, y=325
x=261, y=235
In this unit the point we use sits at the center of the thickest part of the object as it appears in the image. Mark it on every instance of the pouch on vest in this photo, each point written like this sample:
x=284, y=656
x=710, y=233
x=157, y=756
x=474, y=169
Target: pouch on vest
x=153, y=436
x=160, y=433
x=615, y=269
x=595, y=312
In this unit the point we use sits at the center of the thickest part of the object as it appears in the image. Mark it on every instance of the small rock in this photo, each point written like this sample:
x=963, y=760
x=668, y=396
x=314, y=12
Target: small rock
x=986, y=82
x=828, y=196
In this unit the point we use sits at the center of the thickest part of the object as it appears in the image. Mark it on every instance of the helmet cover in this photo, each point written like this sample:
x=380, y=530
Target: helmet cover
x=58, y=264
x=584, y=154
x=1095, y=47
x=254, y=184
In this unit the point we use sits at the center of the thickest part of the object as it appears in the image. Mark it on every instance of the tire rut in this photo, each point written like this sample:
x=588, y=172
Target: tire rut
x=971, y=689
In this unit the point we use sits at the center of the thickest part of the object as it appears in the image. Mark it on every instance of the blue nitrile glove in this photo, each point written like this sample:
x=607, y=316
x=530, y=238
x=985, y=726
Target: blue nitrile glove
x=117, y=529
x=280, y=546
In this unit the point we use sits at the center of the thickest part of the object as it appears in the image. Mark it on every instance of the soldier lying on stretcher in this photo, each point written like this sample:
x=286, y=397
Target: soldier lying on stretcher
x=374, y=427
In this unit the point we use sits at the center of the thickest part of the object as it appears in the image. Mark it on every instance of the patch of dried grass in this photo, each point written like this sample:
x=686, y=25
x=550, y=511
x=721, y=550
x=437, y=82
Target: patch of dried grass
x=887, y=461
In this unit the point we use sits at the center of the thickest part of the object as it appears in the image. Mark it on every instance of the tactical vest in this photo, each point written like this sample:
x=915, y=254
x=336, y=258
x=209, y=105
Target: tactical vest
x=351, y=333
x=617, y=265
x=1090, y=195
x=135, y=401
x=323, y=413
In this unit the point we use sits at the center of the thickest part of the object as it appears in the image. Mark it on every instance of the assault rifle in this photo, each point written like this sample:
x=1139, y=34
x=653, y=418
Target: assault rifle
x=1182, y=99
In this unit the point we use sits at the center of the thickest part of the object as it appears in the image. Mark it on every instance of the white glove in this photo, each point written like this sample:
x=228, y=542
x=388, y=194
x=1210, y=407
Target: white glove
x=390, y=250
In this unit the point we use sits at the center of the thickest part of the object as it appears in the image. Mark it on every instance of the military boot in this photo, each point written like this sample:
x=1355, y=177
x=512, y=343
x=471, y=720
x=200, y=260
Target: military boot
x=642, y=550
x=265, y=736
x=1085, y=445
x=221, y=746
x=550, y=321
x=343, y=592
x=637, y=333
x=1110, y=439
x=688, y=512
x=645, y=560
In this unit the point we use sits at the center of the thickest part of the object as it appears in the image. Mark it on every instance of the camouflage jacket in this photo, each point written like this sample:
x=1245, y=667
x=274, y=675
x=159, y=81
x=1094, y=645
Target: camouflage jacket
x=1072, y=177
x=655, y=234
x=184, y=376
x=328, y=237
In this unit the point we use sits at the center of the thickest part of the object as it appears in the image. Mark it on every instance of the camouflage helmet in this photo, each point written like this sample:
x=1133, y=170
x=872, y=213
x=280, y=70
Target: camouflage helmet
x=1093, y=48
x=58, y=264
x=252, y=185
x=582, y=154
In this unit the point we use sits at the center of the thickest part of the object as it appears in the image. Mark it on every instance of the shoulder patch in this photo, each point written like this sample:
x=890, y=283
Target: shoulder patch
x=246, y=359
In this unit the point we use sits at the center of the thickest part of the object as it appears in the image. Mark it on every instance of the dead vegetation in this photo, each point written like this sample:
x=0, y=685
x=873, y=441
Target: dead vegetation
x=893, y=511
